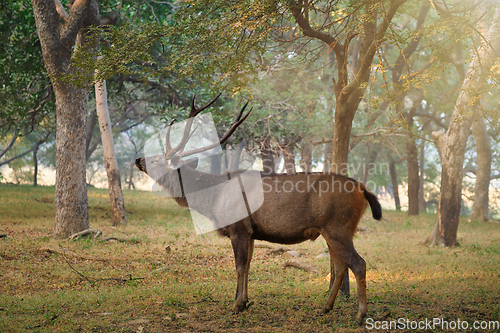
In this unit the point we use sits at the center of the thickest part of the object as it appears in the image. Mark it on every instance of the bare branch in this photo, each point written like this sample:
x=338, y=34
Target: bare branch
x=17, y=156
x=66, y=252
x=434, y=118
x=61, y=11
x=9, y=145
x=301, y=15
x=153, y=12
x=412, y=46
x=365, y=64
x=77, y=15
x=301, y=265
x=39, y=142
x=85, y=232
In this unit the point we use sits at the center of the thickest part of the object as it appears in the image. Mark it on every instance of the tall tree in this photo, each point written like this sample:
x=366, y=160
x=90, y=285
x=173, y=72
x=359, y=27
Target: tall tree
x=119, y=215
x=112, y=171
x=483, y=172
x=348, y=90
x=60, y=37
x=452, y=144
x=399, y=81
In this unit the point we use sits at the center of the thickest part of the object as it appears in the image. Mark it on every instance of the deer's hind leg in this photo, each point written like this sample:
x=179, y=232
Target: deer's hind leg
x=343, y=255
x=247, y=270
x=242, y=244
x=338, y=268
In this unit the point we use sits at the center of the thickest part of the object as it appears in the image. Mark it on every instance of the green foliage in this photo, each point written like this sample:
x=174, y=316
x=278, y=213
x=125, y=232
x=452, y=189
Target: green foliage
x=24, y=85
x=210, y=43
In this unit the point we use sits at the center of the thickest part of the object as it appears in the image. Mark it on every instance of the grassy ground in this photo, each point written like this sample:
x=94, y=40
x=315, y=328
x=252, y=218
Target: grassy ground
x=191, y=287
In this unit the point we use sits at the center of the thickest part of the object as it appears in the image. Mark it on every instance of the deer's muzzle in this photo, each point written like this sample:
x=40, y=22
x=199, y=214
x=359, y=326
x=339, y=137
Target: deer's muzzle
x=140, y=164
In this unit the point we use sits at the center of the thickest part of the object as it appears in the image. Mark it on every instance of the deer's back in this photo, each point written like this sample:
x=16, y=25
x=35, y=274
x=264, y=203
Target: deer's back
x=297, y=207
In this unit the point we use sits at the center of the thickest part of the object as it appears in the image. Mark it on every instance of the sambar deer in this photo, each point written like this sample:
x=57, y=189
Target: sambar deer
x=295, y=208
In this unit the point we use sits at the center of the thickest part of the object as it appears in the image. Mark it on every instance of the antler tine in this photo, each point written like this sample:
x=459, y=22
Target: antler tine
x=194, y=112
x=226, y=136
x=187, y=129
x=168, y=147
x=235, y=125
x=241, y=111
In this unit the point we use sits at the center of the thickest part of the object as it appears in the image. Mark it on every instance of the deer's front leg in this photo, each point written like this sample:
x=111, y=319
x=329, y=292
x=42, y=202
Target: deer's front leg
x=247, y=269
x=242, y=246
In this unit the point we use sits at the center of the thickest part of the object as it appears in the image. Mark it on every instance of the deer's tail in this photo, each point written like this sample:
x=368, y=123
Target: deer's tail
x=374, y=205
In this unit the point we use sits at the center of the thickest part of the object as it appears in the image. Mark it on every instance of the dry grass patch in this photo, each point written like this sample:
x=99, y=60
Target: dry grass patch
x=190, y=286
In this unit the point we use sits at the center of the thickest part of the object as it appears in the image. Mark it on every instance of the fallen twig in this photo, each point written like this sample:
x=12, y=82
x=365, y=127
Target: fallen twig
x=116, y=239
x=301, y=265
x=85, y=232
x=161, y=269
x=278, y=250
x=93, y=281
x=45, y=322
x=66, y=252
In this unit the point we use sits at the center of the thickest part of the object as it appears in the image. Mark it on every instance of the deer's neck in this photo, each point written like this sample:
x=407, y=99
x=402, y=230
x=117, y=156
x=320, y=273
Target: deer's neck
x=194, y=189
x=202, y=190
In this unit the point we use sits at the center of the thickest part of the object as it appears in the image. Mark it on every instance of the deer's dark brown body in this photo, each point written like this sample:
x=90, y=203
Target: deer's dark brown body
x=296, y=208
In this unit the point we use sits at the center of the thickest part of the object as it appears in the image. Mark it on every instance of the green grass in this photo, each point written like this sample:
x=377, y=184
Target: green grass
x=40, y=292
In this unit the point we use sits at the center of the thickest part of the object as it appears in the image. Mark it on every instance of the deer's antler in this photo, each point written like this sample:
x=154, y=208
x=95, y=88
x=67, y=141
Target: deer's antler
x=223, y=139
x=170, y=152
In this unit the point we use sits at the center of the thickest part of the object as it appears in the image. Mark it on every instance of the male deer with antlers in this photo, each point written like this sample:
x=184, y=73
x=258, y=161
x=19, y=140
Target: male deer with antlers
x=296, y=208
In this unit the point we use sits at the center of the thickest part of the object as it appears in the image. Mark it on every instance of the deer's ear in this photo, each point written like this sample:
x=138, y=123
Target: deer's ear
x=176, y=162
x=192, y=162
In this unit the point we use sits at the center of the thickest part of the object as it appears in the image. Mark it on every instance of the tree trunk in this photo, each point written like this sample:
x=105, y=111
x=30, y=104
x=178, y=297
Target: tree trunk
x=413, y=177
x=289, y=160
x=131, y=174
x=90, y=132
x=35, y=164
x=114, y=180
x=344, y=115
x=483, y=173
x=370, y=165
x=215, y=164
x=71, y=188
x=267, y=157
x=452, y=144
x=412, y=161
x=395, y=185
x=421, y=199
x=233, y=156
x=327, y=164
x=306, y=157
x=59, y=37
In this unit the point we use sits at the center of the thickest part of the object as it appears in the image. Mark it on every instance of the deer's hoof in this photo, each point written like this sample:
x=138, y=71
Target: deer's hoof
x=238, y=307
x=360, y=317
x=325, y=310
